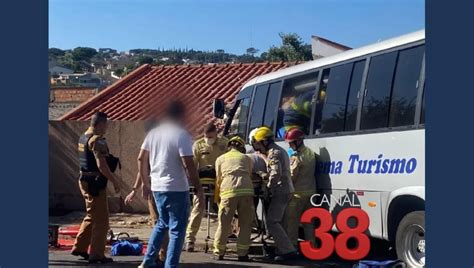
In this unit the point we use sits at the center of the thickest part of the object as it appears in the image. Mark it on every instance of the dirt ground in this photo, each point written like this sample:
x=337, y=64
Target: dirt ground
x=140, y=226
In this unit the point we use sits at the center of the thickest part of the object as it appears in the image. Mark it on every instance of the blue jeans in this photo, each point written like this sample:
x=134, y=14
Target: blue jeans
x=173, y=209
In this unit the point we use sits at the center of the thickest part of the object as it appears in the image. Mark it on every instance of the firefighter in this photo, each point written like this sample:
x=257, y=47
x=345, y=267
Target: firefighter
x=296, y=112
x=302, y=167
x=280, y=189
x=205, y=151
x=234, y=184
x=94, y=174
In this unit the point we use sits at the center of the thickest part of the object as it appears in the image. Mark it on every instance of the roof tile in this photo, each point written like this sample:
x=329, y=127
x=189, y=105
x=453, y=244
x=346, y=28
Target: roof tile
x=148, y=89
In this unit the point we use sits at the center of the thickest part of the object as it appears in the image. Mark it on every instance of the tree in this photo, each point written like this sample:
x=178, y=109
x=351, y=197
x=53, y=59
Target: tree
x=252, y=51
x=83, y=53
x=291, y=49
x=118, y=72
x=56, y=52
x=145, y=60
x=220, y=51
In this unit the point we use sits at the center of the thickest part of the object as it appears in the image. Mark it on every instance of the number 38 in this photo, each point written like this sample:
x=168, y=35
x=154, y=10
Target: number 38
x=328, y=243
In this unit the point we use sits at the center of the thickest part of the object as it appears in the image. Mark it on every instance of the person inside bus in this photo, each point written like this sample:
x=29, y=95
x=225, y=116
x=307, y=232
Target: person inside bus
x=296, y=110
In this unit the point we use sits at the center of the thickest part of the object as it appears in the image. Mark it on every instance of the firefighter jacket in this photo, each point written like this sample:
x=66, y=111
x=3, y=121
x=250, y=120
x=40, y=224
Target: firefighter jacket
x=302, y=166
x=205, y=156
x=279, y=181
x=233, y=175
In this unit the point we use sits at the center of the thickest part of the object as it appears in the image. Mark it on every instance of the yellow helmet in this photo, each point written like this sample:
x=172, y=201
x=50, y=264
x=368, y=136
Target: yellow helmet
x=236, y=139
x=263, y=133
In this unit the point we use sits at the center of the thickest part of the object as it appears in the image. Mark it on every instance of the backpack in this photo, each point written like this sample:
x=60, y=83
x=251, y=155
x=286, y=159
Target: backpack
x=126, y=248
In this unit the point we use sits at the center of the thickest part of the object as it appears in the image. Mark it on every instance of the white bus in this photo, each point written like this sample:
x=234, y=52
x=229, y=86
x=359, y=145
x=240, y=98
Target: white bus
x=363, y=114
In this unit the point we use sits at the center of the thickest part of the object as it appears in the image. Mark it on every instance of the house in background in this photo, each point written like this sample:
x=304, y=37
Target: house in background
x=78, y=80
x=57, y=70
x=322, y=47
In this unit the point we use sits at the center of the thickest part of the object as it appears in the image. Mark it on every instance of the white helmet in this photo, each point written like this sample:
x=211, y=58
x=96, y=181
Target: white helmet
x=252, y=134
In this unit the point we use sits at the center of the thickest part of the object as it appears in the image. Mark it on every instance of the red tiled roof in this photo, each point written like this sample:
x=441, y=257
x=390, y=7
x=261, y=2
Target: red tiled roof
x=147, y=90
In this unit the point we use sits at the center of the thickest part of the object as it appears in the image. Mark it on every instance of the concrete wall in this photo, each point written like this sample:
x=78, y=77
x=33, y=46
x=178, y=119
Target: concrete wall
x=124, y=140
x=321, y=49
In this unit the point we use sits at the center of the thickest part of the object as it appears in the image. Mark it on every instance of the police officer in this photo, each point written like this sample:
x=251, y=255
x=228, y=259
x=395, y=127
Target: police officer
x=205, y=150
x=234, y=184
x=302, y=167
x=94, y=174
x=280, y=189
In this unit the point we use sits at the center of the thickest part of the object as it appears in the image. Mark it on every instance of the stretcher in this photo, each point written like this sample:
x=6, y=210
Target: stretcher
x=210, y=191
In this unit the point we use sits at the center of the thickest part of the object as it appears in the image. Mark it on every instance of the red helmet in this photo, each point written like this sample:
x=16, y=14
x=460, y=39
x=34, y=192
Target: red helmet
x=293, y=134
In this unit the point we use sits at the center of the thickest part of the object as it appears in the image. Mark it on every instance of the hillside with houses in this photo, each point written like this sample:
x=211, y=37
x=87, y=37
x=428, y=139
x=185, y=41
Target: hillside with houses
x=77, y=74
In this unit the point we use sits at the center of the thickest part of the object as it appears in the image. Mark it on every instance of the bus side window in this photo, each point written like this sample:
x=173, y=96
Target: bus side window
x=258, y=106
x=238, y=125
x=376, y=103
x=321, y=100
x=296, y=103
x=272, y=104
x=336, y=109
x=422, y=119
x=352, y=98
x=405, y=87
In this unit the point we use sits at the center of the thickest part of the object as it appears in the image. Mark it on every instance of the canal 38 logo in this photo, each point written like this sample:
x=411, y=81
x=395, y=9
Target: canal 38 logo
x=328, y=244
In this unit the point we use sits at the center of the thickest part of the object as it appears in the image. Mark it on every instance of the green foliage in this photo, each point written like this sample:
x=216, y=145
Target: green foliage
x=145, y=60
x=56, y=52
x=83, y=53
x=252, y=51
x=118, y=72
x=291, y=49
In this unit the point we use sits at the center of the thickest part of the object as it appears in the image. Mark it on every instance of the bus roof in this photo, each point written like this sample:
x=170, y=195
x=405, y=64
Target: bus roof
x=343, y=56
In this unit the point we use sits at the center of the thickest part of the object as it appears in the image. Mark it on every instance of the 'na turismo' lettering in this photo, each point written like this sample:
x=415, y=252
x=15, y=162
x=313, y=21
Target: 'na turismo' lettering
x=381, y=165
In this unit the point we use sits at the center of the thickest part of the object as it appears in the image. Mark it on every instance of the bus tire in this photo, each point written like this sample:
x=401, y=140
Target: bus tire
x=410, y=239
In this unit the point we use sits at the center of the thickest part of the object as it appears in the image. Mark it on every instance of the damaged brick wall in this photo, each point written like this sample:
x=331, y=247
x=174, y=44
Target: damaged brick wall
x=72, y=94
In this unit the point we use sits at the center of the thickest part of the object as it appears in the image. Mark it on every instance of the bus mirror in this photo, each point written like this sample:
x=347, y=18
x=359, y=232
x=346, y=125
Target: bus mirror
x=218, y=108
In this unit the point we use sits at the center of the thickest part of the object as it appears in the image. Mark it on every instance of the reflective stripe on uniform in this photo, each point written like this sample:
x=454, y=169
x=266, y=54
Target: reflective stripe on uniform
x=302, y=110
x=237, y=192
x=208, y=181
x=220, y=247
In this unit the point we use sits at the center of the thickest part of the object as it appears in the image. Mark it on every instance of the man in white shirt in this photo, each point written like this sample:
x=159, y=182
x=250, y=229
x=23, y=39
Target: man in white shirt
x=167, y=157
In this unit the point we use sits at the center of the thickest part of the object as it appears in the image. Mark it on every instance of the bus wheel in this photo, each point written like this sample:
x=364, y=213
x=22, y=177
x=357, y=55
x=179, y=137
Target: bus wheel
x=410, y=239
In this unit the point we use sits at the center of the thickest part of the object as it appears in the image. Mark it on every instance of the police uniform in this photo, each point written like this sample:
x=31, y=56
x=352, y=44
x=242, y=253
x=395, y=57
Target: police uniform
x=94, y=227
x=302, y=166
x=233, y=179
x=281, y=190
x=205, y=156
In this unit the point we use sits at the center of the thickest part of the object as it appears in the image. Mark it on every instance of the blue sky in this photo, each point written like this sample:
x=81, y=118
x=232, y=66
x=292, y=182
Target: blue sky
x=226, y=24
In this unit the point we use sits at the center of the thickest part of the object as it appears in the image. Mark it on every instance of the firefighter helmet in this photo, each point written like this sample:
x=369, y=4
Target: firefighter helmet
x=262, y=133
x=294, y=134
x=236, y=139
